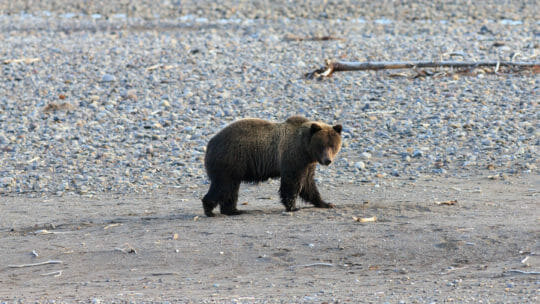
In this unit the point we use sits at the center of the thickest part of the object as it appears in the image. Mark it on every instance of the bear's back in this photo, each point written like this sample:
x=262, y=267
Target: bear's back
x=296, y=120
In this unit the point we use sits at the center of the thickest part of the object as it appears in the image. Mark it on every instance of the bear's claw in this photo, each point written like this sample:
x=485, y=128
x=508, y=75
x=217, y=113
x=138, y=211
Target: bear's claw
x=325, y=205
x=232, y=212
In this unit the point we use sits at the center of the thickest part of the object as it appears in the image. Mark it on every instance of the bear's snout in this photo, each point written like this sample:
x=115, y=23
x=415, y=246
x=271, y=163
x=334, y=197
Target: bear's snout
x=326, y=157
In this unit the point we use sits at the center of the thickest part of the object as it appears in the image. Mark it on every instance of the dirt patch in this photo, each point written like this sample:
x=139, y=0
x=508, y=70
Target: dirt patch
x=162, y=247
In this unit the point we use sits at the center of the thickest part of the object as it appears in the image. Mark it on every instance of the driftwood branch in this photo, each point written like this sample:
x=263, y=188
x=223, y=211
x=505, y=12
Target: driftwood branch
x=339, y=66
x=36, y=264
x=314, y=264
x=515, y=271
x=21, y=60
x=54, y=274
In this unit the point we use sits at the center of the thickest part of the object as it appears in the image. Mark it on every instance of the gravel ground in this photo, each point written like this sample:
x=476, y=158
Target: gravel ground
x=126, y=102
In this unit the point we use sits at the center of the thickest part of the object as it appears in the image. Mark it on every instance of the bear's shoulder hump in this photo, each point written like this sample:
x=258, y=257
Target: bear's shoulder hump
x=296, y=120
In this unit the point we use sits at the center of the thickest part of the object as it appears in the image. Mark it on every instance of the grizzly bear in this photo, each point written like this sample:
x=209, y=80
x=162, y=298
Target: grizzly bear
x=254, y=150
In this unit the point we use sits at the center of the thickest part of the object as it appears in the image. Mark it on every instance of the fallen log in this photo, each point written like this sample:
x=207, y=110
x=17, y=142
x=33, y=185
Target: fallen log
x=339, y=66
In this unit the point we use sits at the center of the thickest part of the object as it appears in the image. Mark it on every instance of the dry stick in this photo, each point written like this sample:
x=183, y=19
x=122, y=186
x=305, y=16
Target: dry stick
x=314, y=38
x=522, y=272
x=338, y=66
x=54, y=273
x=314, y=264
x=163, y=273
x=21, y=60
x=36, y=264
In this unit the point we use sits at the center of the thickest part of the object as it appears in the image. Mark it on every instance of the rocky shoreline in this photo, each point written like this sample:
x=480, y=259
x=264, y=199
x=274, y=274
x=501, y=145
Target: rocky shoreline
x=124, y=99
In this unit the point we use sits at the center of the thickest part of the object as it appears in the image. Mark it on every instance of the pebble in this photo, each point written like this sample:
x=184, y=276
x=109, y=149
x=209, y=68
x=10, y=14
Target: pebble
x=365, y=155
x=360, y=165
x=3, y=139
x=108, y=78
x=417, y=154
x=7, y=181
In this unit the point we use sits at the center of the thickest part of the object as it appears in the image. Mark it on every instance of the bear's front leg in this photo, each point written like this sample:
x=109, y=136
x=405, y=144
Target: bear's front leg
x=311, y=194
x=289, y=189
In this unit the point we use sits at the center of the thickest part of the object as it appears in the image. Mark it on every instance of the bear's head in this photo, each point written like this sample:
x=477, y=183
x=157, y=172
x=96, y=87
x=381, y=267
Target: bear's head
x=325, y=142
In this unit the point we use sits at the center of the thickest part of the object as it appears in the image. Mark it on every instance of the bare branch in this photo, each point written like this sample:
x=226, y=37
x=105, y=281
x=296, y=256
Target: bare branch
x=36, y=264
x=54, y=273
x=314, y=264
x=515, y=271
x=339, y=66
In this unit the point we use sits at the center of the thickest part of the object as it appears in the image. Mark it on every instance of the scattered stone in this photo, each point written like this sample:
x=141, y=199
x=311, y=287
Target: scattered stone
x=52, y=107
x=360, y=165
x=7, y=181
x=365, y=155
x=417, y=154
x=108, y=78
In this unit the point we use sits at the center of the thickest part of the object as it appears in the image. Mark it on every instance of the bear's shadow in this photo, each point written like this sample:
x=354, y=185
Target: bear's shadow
x=270, y=211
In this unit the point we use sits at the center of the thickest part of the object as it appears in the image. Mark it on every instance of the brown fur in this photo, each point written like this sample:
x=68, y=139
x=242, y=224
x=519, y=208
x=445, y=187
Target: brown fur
x=254, y=150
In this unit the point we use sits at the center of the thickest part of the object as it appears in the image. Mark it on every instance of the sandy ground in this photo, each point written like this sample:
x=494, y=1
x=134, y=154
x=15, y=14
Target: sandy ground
x=161, y=247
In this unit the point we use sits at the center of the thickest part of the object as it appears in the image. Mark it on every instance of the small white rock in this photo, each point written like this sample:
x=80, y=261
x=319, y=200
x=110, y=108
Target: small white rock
x=7, y=181
x=108, y=78
x=366, y=155
x=360, y=165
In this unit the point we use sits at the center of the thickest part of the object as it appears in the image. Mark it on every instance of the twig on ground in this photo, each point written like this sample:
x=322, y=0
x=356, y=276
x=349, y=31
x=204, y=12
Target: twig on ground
x=453, y=54
x=127, y=249
x=163, y=273
x=159, y=66
x=54, y=273
x=380, y=112
x=36, y=264
x=45, y=231
x=21, y=60
x=112, y=225
x=452, y=269
x=314, y=264
x=313, y=38
x=447, y=203
x=515, y=271
x=339, y=66
x=365, y=219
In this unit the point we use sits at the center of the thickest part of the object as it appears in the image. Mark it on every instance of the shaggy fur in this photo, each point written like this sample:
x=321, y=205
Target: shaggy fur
x=254, y=150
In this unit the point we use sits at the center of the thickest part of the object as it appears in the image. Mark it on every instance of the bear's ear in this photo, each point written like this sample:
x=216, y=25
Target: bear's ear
x=314, y=128
x=338, y=128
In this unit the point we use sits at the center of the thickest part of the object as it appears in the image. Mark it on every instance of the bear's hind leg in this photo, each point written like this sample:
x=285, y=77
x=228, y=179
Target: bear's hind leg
x=229, y=198
x=288, y=191
x=211, y=200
